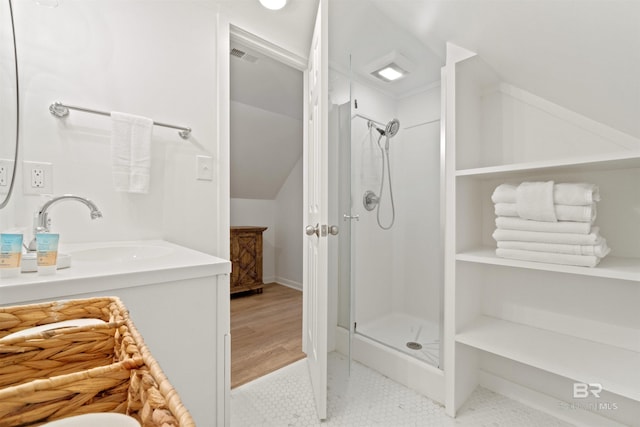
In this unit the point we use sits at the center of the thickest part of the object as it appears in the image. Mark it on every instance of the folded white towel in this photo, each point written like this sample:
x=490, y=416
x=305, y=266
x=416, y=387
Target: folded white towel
x=549, y=257
x=131, y=152
x=534, y=200
x=592, y=238
x=510, y=223
x=600, y=249
x=574, y=194
x=563, y=212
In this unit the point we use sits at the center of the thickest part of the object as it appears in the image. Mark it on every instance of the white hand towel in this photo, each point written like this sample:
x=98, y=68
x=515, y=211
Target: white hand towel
x=600, y=249
x=549, y=257
x=131, y=152
x=574, y=194
x=534, y=200
x=563, y=212
x=592, y=238
x=547, y=227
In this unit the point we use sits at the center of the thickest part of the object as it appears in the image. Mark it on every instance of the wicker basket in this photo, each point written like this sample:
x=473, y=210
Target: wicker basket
x=62, y=351
x=131, y=382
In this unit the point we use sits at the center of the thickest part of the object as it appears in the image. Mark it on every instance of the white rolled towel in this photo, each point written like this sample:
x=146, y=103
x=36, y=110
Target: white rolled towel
x=549, y=257
x=534, y=200
x=510, y=223
x=592, y=238
x=599, y=249
x=574, y=194
x=563, y=212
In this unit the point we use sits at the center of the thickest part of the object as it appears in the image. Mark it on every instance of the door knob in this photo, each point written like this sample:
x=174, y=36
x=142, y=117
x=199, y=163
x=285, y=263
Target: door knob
x=310, y=230
x=334, y=230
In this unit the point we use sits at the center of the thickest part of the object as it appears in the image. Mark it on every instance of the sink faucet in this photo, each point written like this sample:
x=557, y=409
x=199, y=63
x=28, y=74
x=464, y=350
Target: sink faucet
x=42, y=220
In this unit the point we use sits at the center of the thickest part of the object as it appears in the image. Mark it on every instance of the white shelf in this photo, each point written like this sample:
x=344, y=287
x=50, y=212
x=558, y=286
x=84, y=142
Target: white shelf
x=616, y=369
x=610, y=267
x=620, y=160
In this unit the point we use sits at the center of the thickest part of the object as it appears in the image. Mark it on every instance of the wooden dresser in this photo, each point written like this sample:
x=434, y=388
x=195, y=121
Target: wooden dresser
x=246, y=258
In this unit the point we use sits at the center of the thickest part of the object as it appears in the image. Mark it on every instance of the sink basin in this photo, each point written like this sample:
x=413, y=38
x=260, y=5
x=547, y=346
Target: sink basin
x=119, y=253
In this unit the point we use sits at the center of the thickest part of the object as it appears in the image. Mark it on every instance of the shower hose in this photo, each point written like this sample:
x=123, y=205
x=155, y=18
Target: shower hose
x=385, y=160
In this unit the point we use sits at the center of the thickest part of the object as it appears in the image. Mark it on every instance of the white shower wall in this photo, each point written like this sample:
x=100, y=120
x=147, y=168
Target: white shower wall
x=417, y=246
x=398, y=270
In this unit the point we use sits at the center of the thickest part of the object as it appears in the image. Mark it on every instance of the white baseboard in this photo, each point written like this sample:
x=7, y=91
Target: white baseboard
x=543, y=402
x=288, y=283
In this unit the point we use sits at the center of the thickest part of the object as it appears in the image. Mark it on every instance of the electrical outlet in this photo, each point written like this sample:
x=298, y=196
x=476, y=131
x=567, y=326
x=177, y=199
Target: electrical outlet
x=6, y=170
x=37, y=178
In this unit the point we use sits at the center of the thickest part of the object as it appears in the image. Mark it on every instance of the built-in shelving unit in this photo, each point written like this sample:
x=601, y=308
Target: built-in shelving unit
x=577, y=323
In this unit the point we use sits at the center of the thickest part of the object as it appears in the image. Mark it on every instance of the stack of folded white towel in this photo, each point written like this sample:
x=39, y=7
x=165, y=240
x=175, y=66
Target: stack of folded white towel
x=548, y=222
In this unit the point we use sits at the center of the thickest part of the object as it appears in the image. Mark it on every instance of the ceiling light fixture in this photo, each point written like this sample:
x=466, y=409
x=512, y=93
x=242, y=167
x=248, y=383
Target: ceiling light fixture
x=390, y=67
x=273, y=4
x=390, y=73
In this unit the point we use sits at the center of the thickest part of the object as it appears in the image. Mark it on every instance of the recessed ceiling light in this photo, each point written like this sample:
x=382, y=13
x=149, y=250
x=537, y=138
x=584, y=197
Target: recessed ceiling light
x=390, y=67
x=390, y=73
x=273, y=4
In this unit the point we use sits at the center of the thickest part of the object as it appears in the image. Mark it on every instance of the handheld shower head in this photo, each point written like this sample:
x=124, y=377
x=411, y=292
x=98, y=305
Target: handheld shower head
x=391, y=129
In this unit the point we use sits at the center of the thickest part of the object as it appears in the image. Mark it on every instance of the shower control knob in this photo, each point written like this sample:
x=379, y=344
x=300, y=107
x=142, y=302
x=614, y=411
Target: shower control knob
x=334, y=230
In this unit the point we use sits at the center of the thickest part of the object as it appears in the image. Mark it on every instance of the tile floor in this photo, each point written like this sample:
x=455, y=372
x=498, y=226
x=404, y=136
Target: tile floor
x=283, y=398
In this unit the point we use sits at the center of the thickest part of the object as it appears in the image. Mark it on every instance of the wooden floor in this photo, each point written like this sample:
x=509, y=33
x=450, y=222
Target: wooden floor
x=266, y=332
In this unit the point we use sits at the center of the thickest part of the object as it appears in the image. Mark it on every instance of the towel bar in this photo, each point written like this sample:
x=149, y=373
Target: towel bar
x=60, y=110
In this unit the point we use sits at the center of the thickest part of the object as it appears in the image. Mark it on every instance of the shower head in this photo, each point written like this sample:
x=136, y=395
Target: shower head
x=391, y=129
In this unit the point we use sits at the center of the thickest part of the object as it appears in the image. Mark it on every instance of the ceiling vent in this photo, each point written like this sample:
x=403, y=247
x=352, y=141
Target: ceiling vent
x=243, y=55
x=237, y=53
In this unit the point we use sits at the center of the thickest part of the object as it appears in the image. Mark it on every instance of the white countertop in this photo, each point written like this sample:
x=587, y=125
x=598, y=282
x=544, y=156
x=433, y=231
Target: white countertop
x=98, y=267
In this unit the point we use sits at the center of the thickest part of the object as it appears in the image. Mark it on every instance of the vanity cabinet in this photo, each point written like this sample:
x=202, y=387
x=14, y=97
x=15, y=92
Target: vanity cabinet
x=179, y=302
x=246, y=258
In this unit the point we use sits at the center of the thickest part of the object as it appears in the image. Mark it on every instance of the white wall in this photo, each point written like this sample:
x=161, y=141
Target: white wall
x=260, y=213
x=289, y=226
x=130, y=57
x=418, y=261
x=282, y=241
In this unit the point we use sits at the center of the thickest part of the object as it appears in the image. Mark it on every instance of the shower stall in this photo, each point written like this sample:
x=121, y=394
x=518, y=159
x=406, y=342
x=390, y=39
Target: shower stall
x=385, y=146
x=392, y=213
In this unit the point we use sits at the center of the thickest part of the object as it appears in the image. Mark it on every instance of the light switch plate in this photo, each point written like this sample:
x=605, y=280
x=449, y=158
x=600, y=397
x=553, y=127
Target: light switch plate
x=204, y=168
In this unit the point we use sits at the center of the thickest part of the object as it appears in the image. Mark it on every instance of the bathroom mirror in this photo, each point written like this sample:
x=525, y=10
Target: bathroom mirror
x=9, y=111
